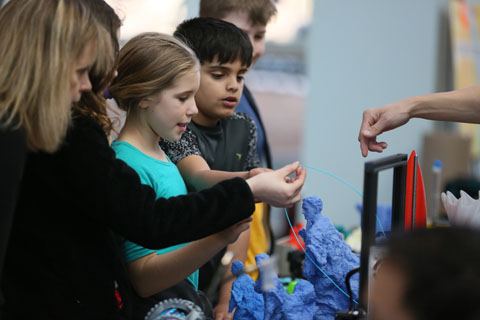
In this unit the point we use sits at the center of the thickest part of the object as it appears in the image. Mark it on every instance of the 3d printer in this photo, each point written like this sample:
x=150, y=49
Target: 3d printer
x=408, y=212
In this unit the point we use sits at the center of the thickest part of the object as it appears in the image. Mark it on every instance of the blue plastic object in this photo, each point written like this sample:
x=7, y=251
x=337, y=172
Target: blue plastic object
x=319, y=297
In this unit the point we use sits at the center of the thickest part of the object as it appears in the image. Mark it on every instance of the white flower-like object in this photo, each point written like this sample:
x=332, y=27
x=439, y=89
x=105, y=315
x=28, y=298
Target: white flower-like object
x=462, y=212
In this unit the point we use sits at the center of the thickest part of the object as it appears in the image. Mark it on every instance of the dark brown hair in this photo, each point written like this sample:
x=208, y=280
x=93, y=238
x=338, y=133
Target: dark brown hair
x=93, y=103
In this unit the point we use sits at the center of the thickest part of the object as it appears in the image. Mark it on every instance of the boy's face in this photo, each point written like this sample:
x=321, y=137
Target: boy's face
x=220, y=90
x=256, y=33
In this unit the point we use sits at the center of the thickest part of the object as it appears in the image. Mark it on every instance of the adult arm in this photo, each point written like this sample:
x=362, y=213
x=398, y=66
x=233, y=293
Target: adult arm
x=459, y=105
x=274, y=187
x=110, y=191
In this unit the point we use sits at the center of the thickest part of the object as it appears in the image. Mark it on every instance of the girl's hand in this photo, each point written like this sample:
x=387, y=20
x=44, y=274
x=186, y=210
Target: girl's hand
x=255, y=171
x=273, y=187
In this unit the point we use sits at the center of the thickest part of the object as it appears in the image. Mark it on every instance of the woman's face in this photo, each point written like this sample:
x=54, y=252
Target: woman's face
x=79, y=81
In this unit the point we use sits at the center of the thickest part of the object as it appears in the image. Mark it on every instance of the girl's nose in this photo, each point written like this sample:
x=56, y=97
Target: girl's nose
x=192, y=108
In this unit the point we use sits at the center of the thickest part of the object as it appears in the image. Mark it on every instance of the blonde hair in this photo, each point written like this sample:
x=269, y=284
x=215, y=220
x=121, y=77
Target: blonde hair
x=259, y=11
x=148, y=64
x=39, y=44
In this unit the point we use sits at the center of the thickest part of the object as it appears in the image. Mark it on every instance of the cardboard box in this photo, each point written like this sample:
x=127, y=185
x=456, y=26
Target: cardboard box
x=454, y=151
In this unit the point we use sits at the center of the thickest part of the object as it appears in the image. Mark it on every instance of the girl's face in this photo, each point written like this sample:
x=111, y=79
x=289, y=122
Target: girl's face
x=169, y=112
x=79, y=81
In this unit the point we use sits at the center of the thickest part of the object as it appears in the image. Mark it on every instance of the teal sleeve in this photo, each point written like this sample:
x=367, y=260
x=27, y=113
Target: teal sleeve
x=133, y=251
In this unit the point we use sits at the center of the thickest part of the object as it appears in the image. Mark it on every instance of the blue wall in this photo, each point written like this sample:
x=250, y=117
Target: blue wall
x=364, y=54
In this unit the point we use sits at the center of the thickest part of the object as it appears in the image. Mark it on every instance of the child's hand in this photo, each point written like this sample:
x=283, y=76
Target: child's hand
x=255, y=171
x=231, y=234
x=276, y=189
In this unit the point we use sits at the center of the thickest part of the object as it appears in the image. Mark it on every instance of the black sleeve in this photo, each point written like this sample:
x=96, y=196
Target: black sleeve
x=120, y=201
x=12, y=160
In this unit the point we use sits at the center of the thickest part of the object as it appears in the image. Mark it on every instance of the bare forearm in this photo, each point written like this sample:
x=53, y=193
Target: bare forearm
x=459, y=105
x=198, y=175
x=155, y=273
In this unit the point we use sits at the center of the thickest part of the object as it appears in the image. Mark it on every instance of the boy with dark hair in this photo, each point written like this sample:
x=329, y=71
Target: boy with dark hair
x=251, y=16
x=217, y=138
x=225, y=54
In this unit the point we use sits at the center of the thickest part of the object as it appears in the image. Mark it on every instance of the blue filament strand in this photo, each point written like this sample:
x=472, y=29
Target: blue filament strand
x=294, y=233
x=348, y=185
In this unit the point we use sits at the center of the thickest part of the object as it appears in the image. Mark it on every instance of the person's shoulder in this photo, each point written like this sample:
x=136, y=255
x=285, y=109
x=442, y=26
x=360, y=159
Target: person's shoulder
x=187, y=145
x=86, y=133
x=188, y=137
x=246, y=91
x=86, y=125
x=240, y=116
x=123, y=150
x=82, y=120
x=132, y=155
x=249, y=97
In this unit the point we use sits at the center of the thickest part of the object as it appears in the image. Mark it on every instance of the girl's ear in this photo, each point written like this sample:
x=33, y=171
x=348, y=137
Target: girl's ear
x=144, y=104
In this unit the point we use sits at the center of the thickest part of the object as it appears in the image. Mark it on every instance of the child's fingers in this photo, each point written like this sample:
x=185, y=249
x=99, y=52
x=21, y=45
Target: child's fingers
x=299, y=179
x=296, y=186
x=289, y=168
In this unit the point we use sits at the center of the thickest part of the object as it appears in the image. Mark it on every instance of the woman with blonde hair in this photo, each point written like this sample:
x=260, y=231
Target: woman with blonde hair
x=62, y=259
x=46, y=50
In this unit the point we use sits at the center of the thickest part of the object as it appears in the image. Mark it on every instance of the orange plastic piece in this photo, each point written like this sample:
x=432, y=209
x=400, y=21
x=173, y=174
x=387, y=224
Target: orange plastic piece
x=421, y=203
x=292, y=240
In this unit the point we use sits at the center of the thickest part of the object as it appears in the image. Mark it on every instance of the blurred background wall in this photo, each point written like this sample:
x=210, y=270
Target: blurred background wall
x=365, y=54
